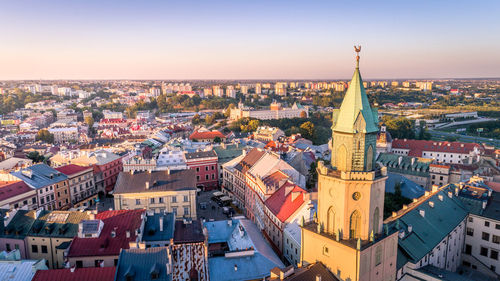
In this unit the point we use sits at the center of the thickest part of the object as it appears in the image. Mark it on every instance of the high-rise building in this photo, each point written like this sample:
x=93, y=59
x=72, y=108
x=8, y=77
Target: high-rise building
x=230, y=92
x=258, y=89
x=218, y=91
x=347, y=234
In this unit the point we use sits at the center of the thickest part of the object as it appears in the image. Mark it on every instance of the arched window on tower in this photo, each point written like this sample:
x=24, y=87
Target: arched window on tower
x=369, y=158
x=376, y=218
x=341, y=158
x=330, y=223
x=355, y=225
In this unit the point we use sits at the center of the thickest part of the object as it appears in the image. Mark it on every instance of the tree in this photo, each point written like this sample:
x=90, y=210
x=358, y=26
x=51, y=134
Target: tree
x=35, y=156
x=307, y=130
x=45, y=136
x=89, y=120
x=400, y=127
x=217, y=140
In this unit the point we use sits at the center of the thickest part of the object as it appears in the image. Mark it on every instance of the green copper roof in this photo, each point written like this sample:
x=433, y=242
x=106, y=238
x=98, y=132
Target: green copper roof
x=355, y=103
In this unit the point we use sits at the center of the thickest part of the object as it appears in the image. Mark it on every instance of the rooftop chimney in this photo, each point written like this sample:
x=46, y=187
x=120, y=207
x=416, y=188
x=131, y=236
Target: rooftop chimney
x=147, y=185
x=318, y=277
x=127, y=233
x=161, y=223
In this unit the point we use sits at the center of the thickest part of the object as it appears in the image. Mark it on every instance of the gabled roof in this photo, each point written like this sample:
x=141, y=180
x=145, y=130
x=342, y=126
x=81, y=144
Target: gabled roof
x=250, y=159
x=438, y=220
x=416, y=147
x=141, y=262
x=188, y=232
x=71, y=169
x=19, y=226
x=11, y=189
x=286, y=201
x=206, y=135
x=63, y=224
x=119, y=221
x=355, y=105
x=40, y=175
x=79, y=274
x=158, y=181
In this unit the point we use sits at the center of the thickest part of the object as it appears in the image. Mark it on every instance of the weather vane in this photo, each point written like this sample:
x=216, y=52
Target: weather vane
x=357, y=49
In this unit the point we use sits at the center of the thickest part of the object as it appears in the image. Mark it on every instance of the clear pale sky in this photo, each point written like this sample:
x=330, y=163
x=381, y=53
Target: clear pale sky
x=240, y=39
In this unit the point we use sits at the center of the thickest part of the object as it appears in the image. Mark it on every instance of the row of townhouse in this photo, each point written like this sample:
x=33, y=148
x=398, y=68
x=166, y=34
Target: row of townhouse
x=106, y=165
x=272, y=194
x=77, y=240
x=41, y=186
x=451, y=228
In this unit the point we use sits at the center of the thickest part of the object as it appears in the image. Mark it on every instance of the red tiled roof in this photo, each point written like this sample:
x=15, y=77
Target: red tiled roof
x=206, y=135
x=281, y=203
x=417, y=146
x=113, y=120
x=105, y=245
x=12, y=188
x=493, y=185
x=80, y=274
x=439, y=166
x=72, y=169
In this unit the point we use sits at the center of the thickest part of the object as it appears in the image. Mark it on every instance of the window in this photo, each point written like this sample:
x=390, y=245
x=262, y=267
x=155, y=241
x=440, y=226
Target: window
x=174, y=210
x=206, y=177
x=197, y=169
x=185, y=198
x=44, y=249
x=325, y=251
x=152, y=200
x=79, y=264
x=186, y=211
x=7, y=246
x=213, y=167
x=470, y=231
x=471, y=219
x=494, y=254
x=138, y=201
x=468, y=249
x=206, y=168
x=174, y=199
x=160, y=199
x=34, y=248
x=197, y=178
x=486, y=223
x=486, y=236
x=213, y=176
x=497, y=226
x=484, y=251
x=495, y=239
x=378, y=255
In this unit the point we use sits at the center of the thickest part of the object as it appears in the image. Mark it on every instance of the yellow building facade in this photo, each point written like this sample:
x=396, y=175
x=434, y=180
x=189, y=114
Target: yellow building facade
x=347, y=234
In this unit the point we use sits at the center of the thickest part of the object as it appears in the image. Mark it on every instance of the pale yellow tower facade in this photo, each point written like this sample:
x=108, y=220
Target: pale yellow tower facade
x=348, y=234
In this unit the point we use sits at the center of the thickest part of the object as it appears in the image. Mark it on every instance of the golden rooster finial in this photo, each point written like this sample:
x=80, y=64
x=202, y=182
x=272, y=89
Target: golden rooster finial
x=357, y=49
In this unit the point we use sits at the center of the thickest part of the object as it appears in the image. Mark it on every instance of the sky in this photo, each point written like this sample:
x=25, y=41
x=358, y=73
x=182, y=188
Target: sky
x=254, y=39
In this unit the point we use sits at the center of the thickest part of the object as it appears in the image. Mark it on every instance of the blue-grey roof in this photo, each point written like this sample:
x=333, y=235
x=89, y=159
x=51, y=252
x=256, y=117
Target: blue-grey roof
x=141, y=262
x=12, y=268
x=152, y=227
x=248, y=268
x=240, y=235
x=409, y=189
x=41, y=175
x=220, y=231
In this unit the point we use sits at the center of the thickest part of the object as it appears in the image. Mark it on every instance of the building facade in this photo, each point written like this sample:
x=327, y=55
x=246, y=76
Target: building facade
x=160, y=191
x=204, y=163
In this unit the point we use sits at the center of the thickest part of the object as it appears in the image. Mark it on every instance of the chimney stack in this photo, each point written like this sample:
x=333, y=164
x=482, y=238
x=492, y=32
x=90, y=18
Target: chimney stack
x=161, y=223
x=147, y=185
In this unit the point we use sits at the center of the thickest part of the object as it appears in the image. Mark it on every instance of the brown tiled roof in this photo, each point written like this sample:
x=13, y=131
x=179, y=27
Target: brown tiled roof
x=158, y=181
x=188, y=232
x=249, y=160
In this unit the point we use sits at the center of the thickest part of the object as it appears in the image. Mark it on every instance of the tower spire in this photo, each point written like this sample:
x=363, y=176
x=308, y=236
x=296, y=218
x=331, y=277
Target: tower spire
x=358, y=50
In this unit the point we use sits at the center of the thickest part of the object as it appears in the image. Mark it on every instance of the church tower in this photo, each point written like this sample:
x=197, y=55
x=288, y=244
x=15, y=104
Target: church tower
x=348, y=234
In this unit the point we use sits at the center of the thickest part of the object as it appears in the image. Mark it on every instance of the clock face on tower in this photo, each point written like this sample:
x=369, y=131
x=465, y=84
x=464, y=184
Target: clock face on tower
x=356, y=196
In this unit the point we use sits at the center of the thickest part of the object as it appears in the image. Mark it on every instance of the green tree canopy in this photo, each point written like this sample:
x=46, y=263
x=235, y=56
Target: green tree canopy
x=45, y=136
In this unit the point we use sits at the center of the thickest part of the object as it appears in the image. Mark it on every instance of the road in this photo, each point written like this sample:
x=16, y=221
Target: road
x=465, y=138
